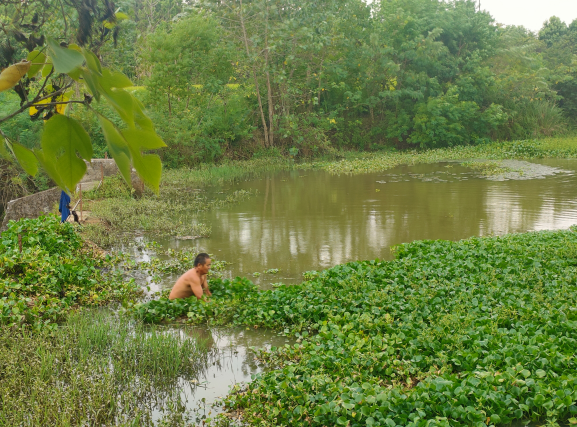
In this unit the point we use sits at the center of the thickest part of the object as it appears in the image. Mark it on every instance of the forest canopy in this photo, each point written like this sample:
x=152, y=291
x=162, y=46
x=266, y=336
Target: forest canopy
x=233, y=77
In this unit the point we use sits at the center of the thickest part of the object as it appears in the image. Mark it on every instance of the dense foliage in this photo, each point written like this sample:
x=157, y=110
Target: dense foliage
x=315, y=75
x=237, y=77
x=54, y=273
x=475, y=332
x=225, y=293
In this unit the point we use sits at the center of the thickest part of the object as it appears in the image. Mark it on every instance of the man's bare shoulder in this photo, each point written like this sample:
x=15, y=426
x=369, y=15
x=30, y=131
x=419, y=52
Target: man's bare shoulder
x=190, y=276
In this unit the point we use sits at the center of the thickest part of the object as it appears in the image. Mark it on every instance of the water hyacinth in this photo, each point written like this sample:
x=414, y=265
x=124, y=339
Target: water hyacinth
x=477, y=332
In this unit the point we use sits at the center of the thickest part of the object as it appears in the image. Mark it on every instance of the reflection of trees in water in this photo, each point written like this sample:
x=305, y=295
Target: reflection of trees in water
x=321, y=220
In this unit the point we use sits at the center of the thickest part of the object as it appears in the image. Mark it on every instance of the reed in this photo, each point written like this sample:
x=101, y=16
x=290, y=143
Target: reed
x=96, y=369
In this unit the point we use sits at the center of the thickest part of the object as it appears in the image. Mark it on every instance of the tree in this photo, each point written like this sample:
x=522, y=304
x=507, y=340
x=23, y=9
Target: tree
x=60, y=74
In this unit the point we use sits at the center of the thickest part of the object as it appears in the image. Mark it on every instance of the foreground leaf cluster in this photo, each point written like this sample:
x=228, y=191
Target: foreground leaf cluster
x=54, y=273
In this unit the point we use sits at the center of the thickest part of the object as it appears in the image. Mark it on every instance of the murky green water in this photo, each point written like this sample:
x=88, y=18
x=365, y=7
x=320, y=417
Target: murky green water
x=302, y=221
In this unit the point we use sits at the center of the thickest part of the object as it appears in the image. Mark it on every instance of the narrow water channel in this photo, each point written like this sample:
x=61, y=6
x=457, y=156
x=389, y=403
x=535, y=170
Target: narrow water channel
x=301, y=221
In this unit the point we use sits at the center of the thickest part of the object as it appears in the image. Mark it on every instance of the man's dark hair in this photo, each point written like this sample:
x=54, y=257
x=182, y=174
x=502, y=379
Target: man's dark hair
x=201, y=259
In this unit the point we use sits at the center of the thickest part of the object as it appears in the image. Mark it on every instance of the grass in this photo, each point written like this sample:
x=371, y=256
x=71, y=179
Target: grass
x=170, y=214
x=96, y=369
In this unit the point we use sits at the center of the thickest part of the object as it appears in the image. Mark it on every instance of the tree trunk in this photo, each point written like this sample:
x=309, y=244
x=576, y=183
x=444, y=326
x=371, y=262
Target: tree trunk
x=266, y=140
x=169, y=104
x=320, y=79
x=268, y=86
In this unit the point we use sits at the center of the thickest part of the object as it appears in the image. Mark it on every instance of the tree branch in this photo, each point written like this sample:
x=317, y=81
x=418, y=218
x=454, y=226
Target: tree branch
x=37, y=98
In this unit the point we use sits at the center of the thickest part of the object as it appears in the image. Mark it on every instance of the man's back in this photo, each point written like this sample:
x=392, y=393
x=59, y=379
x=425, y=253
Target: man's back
x=186, y=285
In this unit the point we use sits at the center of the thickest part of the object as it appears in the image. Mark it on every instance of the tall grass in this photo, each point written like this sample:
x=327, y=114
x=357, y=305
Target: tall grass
x=96, y=369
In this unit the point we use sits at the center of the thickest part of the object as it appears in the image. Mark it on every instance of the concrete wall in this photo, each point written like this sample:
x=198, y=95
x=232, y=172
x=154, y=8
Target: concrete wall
x=96, y=167
x=31, y=206
x=38, y=204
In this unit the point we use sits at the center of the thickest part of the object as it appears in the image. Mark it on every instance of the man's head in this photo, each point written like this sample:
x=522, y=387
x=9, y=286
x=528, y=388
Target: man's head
x=202, y=263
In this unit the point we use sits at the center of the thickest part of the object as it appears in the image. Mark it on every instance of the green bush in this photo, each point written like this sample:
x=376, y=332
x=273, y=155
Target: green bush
x=53, y=274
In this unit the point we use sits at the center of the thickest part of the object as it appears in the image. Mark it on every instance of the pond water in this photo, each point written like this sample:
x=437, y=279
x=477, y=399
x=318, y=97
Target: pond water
x=230, y=361
x=301, y=221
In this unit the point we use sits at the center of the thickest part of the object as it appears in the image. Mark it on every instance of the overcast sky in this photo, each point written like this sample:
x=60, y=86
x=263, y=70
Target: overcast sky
x=530, y=13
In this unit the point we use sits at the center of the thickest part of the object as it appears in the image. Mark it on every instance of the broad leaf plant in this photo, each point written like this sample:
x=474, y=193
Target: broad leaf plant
x=82, y=79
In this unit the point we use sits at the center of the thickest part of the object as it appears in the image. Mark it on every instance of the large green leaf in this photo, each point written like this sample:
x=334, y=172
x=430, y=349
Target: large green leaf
x=26, y=158
x=92, y=81
x=92, y=61
x=49, y=167
x=142, y=139
x=64, y=59
x=114, y=79
x=117, y=146
x=47, y=68
x=37, y=60
x=123, y=103
x=140, y=118
x=62, y=139
x=148, y=166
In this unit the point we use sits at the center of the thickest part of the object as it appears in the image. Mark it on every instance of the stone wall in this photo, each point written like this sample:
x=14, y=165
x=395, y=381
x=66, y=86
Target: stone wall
x=38, y=204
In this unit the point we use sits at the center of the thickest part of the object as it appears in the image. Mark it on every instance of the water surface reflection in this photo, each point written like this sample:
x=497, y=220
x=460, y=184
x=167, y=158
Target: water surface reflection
x=312, y=220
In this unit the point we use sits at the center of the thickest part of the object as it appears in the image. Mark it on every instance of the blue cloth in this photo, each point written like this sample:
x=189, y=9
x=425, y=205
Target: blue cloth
x=63, y=208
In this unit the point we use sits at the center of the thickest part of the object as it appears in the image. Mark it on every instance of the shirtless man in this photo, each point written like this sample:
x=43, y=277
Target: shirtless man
x=193, y=282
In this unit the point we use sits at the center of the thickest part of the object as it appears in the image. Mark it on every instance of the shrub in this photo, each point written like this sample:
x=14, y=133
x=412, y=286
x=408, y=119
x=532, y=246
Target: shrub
x=53, y=274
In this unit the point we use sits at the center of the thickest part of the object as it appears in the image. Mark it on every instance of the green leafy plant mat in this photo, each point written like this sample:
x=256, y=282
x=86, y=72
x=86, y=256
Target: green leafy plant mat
x=471, y=333
x=55, y=272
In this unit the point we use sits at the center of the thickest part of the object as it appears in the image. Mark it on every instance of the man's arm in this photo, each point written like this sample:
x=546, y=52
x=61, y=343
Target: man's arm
x=196, y=289
x=204, y=285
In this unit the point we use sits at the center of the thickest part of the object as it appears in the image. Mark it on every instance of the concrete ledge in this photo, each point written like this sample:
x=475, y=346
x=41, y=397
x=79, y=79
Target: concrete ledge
x=31, y=206
x=41, y=203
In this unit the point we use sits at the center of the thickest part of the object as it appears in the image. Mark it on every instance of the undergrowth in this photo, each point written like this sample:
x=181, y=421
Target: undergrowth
x=54, y=273
x=96, y=369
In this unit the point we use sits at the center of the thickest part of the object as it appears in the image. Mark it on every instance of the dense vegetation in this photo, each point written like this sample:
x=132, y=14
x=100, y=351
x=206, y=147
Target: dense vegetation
x=235, y=78
x=97, y=369
x=54, y=273
x=477, y=332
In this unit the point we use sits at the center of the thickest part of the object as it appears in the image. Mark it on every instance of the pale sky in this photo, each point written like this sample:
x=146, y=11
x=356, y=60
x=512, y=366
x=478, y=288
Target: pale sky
x=530, y=13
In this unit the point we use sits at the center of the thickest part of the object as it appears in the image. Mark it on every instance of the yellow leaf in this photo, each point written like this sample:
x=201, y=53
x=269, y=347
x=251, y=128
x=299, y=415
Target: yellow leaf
x=34, y=110
x=60, y=109
x=12, y=75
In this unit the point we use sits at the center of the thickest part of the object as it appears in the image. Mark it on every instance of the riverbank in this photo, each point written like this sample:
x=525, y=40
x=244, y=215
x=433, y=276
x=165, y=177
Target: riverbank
x=476, y=332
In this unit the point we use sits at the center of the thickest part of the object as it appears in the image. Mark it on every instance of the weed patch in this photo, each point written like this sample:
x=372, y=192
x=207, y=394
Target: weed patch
x=54, y=272
x=96, y=369
x=487, y=168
